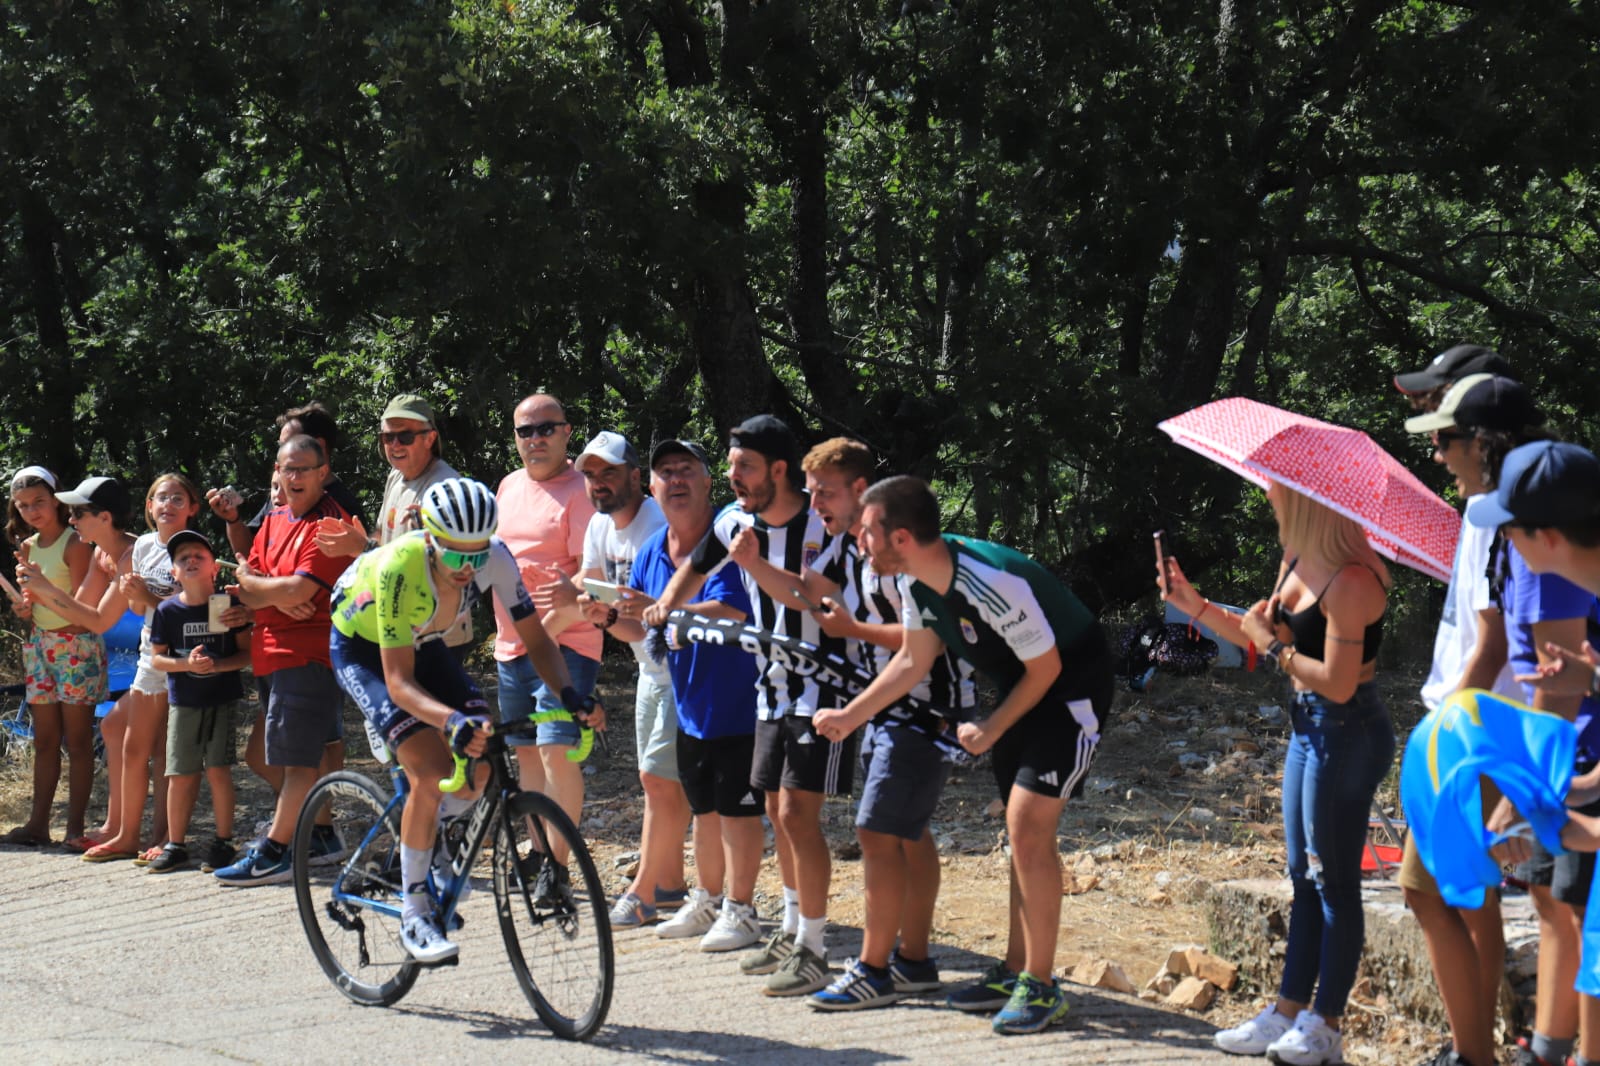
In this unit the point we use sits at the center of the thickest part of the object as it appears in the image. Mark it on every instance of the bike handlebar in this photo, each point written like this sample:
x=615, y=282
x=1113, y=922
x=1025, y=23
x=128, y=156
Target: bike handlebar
x=528, y=727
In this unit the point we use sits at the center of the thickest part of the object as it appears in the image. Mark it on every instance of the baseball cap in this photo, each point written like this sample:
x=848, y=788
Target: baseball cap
x=101, y=493
x=1481, y=401
x=1453, y=364
x=409, y=405
x=770, y=436
x=187, y=536
x=34, y=472
x=608, y=447
x=1543, y=484
x=678, y=447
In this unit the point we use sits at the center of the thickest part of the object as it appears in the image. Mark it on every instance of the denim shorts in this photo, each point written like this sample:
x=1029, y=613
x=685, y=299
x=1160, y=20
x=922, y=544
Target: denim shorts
x=523, y=693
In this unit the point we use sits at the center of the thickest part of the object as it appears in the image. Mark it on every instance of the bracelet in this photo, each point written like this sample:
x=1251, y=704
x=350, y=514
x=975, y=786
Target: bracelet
x=1250, y=655
x=1283, y=663
x=611, y=619
x=1275, y=648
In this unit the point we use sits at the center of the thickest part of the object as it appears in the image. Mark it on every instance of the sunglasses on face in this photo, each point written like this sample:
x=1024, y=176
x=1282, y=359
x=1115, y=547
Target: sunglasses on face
x=1444, y=438
x=539, y=429
x=405, y=437
x=79, y=510
x=454, y=560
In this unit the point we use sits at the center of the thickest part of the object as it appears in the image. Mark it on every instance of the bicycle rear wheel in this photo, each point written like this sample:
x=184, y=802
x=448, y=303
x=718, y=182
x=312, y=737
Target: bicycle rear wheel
x=351, y=910
x=561, y=954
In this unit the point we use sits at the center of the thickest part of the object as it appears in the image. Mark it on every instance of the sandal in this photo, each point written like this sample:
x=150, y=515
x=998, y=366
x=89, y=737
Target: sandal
x=101, y=853
x=147, y=856
x=79, y=844
x=23, y=837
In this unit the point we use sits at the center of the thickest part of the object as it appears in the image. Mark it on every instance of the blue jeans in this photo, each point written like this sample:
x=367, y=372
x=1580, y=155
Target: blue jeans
x=1337, y=756
x=523, y=691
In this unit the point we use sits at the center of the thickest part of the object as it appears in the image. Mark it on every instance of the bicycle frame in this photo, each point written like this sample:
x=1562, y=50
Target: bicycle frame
x=497, y=792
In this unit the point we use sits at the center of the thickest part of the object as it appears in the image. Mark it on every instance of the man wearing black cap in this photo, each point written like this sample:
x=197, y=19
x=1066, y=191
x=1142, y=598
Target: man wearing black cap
x=1451, y=366
x=1476, y=418
x=795, y=766
x=714, y=693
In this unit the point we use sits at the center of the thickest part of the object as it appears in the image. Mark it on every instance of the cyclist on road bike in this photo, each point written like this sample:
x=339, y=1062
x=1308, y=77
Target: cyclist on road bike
x=391, y=609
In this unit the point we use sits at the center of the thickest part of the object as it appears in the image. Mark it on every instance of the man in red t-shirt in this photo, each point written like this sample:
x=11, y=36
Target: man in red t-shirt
x=289, y=654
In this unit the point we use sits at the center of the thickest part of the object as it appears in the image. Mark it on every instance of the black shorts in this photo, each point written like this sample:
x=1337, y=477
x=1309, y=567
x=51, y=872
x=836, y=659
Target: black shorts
x=1567, y=876
x=1048, y=750
x=716, y=776
x=790, y=754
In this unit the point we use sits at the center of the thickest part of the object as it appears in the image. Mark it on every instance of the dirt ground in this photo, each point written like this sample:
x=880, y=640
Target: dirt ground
x=1184, y=793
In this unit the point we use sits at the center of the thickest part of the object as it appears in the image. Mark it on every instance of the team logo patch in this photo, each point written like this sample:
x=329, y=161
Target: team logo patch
x=969, y=632
x=812, y=550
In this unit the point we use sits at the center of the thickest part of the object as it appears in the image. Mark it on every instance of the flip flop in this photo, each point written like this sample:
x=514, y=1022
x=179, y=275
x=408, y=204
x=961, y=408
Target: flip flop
x=100, y=853
x=21, y=838
x=80, y=844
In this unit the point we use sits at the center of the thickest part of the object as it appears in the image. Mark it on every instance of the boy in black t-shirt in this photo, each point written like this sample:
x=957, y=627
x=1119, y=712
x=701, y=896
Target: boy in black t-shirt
x=202, y=690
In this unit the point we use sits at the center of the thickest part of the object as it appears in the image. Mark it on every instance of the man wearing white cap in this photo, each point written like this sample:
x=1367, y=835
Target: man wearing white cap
x=624, y=520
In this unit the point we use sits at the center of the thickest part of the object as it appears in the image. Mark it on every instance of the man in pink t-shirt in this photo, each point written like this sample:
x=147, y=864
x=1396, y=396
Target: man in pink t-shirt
x=544, y=512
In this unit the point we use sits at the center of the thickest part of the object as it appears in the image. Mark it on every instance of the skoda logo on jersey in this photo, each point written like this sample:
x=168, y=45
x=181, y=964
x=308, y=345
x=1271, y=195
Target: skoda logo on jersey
x=969, y=632
x=812, y=550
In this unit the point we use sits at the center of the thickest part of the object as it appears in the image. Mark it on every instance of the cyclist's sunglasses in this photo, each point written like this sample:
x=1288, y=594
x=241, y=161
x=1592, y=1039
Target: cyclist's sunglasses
x=405, y=437
x=539, y=429
x=454, y=560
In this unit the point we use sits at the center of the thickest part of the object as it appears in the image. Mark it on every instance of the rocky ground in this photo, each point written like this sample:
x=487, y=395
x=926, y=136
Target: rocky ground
x=1184, y=794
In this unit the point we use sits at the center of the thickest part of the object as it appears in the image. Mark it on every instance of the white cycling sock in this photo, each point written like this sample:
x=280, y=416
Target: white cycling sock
x=811, y=934
x=414, y=872
x=791, y=911
x=451, y=806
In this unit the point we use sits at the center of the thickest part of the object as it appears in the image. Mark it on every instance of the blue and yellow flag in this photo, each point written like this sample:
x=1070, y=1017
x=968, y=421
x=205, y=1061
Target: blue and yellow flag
x=1527, y=753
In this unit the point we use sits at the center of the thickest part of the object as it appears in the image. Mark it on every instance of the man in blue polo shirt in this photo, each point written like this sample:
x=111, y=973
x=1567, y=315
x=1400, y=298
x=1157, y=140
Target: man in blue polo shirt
x=715, y=691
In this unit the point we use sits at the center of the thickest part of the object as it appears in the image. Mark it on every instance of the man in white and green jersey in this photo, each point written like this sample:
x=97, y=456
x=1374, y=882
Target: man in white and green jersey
x=1025, y=631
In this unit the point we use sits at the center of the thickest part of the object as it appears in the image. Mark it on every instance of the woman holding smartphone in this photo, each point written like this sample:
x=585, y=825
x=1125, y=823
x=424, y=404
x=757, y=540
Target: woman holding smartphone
x=1322, y=625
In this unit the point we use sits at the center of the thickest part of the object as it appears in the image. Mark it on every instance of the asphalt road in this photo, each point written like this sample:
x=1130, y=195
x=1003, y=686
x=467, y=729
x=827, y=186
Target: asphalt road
x=110, y=964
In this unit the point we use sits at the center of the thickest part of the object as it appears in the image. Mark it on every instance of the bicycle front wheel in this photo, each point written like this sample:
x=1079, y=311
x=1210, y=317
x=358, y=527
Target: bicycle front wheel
x=351, y=909
x=560, y=946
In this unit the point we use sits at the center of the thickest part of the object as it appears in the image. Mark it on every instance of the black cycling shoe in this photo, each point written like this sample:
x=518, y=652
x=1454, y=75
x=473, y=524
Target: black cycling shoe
x=553, y=889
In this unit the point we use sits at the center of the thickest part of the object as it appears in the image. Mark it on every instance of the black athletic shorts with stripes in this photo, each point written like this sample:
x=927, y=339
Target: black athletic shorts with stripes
x=791, y=754
x=1049, y=749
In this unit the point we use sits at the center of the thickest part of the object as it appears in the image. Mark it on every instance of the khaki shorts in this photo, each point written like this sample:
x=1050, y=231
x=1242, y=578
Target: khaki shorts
x=1415, y=876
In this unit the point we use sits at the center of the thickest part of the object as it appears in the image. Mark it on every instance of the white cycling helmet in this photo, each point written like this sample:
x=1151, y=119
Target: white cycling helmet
x=459, y=508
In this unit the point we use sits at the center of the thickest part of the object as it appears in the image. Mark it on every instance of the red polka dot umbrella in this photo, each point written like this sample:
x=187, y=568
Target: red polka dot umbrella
x=1341, y=467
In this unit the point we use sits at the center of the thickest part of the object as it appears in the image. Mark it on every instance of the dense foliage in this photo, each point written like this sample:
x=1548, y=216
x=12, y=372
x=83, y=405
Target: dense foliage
x=997, y=241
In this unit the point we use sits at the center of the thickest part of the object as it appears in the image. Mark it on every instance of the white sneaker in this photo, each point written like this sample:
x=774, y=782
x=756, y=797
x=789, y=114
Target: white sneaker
x=698, y=914
x=1312, y=1042
x=423, y=941
x=736, y=927
x=1254, y=1036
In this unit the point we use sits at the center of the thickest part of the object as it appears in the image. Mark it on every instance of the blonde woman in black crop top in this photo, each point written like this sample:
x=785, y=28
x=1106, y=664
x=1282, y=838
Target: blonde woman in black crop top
x=1322, y=625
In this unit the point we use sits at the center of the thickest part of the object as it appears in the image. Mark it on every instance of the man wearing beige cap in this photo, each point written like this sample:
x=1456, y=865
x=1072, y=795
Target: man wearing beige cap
x=409, y=438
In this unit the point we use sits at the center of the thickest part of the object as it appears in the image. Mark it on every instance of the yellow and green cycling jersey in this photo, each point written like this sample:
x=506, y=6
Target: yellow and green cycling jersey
x=388, y=595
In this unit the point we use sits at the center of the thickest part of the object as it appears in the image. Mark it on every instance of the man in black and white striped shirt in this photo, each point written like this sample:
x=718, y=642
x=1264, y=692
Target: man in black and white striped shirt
x=903, y=771
x=772, y=520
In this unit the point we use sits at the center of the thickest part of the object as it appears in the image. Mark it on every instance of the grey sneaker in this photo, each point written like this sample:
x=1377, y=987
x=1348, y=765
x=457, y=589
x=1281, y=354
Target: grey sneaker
x=802, y=972
x=769, y=956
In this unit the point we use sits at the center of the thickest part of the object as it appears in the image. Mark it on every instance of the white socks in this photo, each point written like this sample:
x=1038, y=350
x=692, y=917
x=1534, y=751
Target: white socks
x=791, y=912
x=414, y=864
x=810, y=934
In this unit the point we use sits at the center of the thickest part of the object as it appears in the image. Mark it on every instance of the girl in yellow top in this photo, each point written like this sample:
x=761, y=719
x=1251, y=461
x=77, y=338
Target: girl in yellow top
x=65, y=663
